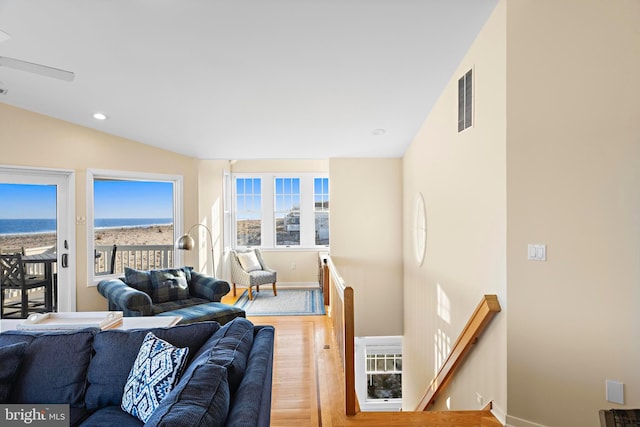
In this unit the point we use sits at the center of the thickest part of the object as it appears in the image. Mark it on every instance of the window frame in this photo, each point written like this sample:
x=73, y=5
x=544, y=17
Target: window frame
x=268, y=229
x=284, y=194
x=178, y=201
x=387, y=345
x=326, y=210
x=234, y=210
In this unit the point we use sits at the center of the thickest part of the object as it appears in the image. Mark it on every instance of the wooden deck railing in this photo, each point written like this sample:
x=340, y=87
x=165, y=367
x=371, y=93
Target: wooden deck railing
x=342, y=316
x=140, y=257
x=486, y=310
x=38, y=269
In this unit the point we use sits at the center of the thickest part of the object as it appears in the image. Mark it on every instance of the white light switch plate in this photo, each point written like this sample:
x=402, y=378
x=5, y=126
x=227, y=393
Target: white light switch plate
x=537, y=252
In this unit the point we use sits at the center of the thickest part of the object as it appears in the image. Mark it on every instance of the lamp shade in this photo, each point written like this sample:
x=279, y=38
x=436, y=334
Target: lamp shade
x=185, y=242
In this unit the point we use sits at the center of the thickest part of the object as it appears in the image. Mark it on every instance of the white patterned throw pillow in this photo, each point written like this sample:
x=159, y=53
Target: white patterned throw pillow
x=249, y=261
x=155, y=372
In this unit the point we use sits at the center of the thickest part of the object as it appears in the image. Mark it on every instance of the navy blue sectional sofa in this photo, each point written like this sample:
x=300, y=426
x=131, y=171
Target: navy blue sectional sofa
x=170, y=292
x=226, y=381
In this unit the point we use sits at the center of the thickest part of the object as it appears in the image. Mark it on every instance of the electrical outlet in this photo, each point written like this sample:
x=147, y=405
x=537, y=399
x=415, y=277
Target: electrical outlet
x=293, y=265
x=479, y=399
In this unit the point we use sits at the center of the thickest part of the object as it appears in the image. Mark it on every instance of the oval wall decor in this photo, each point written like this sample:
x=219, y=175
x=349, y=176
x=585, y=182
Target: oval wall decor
x=420, y=229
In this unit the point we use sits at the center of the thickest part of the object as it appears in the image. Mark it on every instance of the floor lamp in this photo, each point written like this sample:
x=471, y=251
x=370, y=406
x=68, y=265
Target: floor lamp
x=186, y=242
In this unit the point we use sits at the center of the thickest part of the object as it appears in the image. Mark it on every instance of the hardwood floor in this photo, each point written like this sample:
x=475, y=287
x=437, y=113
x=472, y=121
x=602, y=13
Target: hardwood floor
x=308, y=384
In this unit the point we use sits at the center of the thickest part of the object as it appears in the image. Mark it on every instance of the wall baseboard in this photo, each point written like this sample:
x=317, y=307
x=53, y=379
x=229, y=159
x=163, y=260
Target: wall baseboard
x=499, y=413
x=519, y=422
x=297, y=285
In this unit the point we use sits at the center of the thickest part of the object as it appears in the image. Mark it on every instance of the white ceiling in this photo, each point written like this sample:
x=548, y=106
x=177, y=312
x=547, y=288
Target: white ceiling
x=234, y=79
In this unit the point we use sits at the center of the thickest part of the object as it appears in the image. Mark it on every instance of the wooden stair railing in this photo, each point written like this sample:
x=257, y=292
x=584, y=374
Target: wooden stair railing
x=486, y=310
x=342, y=317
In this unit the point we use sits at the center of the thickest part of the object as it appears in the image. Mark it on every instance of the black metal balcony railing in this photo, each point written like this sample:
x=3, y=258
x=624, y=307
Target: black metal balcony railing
x=140, y=257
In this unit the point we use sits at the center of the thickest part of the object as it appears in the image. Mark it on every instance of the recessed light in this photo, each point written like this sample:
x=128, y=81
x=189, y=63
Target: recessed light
x=378, y=131
x=100, y=116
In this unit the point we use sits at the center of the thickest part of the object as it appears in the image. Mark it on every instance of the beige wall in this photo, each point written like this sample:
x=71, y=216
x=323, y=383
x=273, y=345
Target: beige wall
x=34, y=140
x=210, y=193
x=462, y=178
x=573, y=178
x=366, y=243
x=572, y=170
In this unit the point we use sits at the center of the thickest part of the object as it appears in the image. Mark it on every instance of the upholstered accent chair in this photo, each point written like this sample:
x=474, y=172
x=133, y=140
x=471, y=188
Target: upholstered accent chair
x=249, y=269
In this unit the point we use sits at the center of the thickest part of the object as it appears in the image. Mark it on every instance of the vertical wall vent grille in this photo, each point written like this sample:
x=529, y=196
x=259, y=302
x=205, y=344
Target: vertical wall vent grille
x=465, y=101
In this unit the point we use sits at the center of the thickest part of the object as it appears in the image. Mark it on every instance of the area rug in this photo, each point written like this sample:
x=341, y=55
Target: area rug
x=288, y=302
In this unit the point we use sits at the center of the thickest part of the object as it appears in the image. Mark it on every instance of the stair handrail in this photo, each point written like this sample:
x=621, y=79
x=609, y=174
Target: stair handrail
x=478, y=322
x=341, y=311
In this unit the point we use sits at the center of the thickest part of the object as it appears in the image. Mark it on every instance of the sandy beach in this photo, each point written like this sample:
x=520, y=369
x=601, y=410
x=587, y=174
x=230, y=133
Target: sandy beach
x=151, y=235
x=154, y=235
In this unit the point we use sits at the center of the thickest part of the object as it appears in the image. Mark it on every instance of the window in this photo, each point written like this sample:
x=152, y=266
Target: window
x=321, y=208
x=379, y=373
x=384, y=376
x=281, y=210
x=287, y=211
x=135, y=212
x=465, y=101
x=248, y=211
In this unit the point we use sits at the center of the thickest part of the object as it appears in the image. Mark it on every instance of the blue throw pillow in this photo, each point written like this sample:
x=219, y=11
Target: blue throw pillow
x=169, y=285
x=155, y=372
x=11, y=357
x=139, y=279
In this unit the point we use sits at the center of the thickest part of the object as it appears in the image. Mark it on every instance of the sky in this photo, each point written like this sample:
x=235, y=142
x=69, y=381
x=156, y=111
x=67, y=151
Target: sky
x=133, y=199
x=27, y=201
x=113, y=199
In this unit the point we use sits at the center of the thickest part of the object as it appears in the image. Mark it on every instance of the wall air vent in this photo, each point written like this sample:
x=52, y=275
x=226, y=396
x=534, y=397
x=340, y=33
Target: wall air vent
x=465, y=101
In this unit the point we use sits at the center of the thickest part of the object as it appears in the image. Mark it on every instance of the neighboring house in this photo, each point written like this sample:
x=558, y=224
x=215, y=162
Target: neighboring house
x=553, y=158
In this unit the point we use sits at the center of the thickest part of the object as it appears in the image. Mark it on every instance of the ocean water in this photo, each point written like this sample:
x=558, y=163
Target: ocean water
x=34, y=226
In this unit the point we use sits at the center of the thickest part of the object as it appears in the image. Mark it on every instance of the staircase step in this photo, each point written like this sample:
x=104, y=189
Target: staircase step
x=490, y=421
x=424, y=418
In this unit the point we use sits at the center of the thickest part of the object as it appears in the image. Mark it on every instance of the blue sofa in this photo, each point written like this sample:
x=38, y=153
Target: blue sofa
x=226, y=381
x=140, y=293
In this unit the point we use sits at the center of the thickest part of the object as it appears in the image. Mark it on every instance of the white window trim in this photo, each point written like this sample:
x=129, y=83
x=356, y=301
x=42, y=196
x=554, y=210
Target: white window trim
x=374, y=345
x=307, y=228
x=93, y=174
